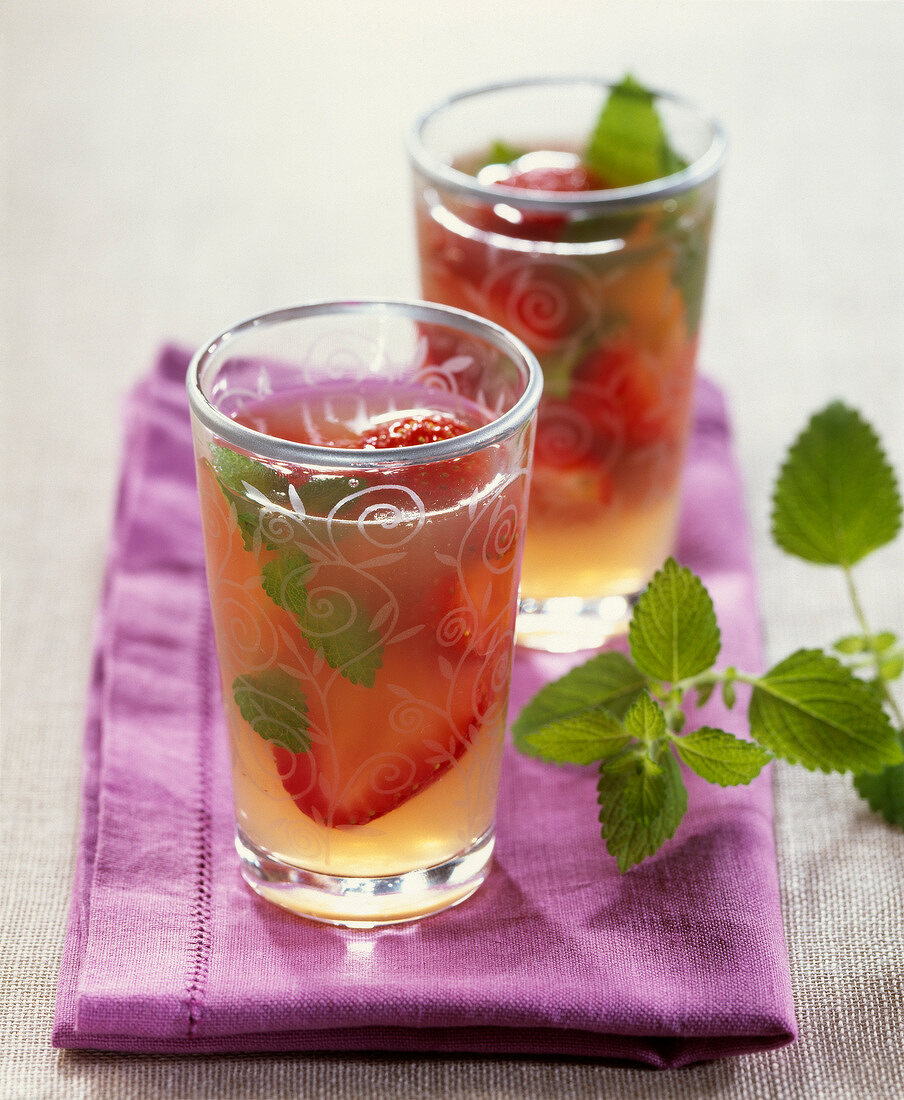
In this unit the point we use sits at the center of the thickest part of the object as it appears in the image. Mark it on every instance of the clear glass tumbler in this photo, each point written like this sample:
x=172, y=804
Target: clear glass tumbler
x=604, y=283
x=363, y=470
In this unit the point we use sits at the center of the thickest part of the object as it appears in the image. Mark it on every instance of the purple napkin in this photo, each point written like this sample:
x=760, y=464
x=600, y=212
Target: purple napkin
x=680, y=960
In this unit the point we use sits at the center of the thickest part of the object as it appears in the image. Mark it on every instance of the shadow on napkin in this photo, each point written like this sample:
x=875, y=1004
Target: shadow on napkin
x=680, y=960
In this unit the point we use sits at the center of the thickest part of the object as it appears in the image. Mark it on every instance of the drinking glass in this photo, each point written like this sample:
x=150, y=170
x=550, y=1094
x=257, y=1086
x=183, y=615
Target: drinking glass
x=363, y=469
x=605, y=286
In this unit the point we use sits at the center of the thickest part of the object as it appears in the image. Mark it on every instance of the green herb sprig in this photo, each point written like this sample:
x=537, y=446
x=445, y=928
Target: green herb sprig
x=835, y=501
x=340, y=633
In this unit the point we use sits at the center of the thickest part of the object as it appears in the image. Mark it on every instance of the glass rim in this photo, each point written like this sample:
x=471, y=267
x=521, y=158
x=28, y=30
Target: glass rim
x=309, y=454
x=437, y=171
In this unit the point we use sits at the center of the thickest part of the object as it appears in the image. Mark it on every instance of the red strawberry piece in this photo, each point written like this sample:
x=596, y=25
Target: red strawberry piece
x=572, y=463
x=438, y=483
x=384, y=747
x=569, y=178
x=542, y=300
x=410, y=431
x=540, y=225
x=557, y=491
x=356, y=779
x=617, y=380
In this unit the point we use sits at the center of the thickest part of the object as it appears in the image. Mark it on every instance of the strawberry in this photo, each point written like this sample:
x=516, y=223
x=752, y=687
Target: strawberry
x=544, y=301
x=540, y=225
x=386, y=742
x=360, y=772
x=410, y=431
x=571, y=493
x=623, y=383
x=572, y=465
x=378, y=784
x=551, y=178
x=438, y=483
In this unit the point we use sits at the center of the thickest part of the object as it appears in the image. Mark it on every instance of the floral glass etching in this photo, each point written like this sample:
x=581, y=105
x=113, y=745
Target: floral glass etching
x=603, y=280
x=363, y=470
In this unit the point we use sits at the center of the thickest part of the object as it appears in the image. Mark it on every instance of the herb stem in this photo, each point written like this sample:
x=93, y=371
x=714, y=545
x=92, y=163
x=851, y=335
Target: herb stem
x=876, y=658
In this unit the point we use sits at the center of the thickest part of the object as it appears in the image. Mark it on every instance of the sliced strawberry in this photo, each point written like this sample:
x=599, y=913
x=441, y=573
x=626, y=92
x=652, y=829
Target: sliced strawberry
x=363, y=772
x=588, y=485
x=411, y=431
x=439, y=483
x=541, y=225
x=619, y=381
x=387, y=743
x=372, y=746
x=574, y=177
x=572, y=464
x=545, y=301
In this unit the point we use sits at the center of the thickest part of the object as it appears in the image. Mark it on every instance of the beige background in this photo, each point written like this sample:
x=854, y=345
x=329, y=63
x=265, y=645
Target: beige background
x=174, y=167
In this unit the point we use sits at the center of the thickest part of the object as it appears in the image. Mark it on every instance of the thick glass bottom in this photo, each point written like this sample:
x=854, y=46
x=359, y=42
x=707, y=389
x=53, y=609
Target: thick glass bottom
x=566, y=624
x=366, y=902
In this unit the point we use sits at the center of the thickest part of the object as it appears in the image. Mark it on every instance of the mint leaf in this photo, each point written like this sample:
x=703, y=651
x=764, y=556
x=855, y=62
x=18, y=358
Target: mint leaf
x=275, y=707
x=607, y=680
x=320, y=494
x=720, y=757
x=645, y=719
x=836, y=498
x=501, y=152
x=884, y=791
x=639, y=811
x=335, y=626
x=235, y=470
x=285, y=578
x=317, y=494
x=811, y=710
x=673, y=632
x=892, y=667
x=629, y=144
x=644, y=791
x=232, y=471
x=580, y=739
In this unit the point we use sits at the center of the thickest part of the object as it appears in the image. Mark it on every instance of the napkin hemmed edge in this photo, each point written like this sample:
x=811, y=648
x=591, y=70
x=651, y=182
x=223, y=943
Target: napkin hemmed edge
x=652, y=1053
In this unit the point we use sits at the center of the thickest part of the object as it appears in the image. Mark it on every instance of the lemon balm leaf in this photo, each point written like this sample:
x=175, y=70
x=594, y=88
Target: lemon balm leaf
x=892, y=667
x=580, y=739
x=501, y=152
x=836, y=498
x=674, y=633
x=629, y=143
x=275, y=707
x=334, y=624
x=607, y=680
x=645, y=718
x=639, y=809
x=811, y=710
x=884, y=791
x=719, y=757
x=234, y=471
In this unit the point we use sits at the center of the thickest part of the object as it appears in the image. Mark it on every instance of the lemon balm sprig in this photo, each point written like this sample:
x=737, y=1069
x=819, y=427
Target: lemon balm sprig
x=836, y=500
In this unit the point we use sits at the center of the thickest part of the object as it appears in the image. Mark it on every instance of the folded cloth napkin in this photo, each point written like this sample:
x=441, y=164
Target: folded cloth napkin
x=680, y=960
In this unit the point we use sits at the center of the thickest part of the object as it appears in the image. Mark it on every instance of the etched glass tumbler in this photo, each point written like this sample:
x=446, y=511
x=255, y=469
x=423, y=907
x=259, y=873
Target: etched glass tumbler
x=363, y=470
x=604, y=282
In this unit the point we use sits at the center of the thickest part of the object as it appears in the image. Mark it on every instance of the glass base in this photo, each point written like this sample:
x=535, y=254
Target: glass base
x=566, y=624
x=366, y=902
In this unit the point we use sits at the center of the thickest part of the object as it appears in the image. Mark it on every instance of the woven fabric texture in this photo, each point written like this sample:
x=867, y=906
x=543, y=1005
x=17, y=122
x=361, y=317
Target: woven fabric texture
x=679, y=961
